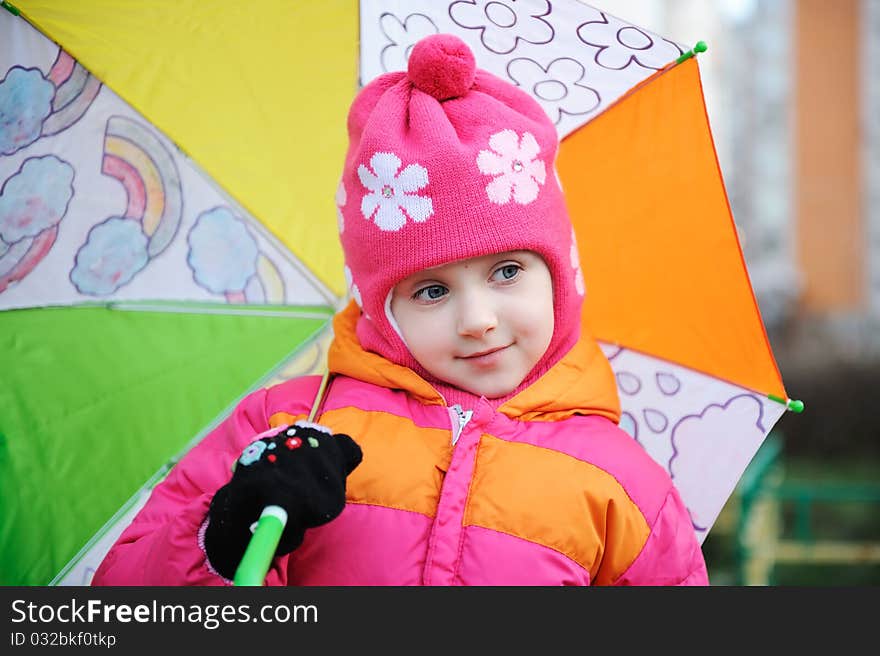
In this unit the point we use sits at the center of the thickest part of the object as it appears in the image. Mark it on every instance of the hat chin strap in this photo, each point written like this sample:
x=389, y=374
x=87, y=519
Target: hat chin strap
x=389, y=316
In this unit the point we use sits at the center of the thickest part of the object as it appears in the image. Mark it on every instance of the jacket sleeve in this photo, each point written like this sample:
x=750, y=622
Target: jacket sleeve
x=162, y=545
x=671, y=554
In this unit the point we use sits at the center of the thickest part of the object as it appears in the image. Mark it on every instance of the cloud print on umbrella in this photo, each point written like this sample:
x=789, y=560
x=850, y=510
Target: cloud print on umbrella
x=115, y=250
x=25, y=102
x=32, y=203
x=697, y=448
x=33, y=105
x=503, y=25
x=620, y=44
x=225, y=259
x=402, y=35
x=690, y=425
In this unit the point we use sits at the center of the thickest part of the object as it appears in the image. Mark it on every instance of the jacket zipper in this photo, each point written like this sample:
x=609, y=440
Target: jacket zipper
x=460, y=418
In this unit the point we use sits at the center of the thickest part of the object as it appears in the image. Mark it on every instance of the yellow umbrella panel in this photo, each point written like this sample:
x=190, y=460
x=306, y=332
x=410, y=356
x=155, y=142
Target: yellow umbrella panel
x=257, y=96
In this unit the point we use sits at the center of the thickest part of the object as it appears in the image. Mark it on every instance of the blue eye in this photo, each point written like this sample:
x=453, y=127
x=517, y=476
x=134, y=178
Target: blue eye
x=431, y=293
x=507, y=272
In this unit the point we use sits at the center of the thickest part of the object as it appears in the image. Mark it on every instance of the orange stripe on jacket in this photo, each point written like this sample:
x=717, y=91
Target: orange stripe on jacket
x=403, y=464
x=526, y=491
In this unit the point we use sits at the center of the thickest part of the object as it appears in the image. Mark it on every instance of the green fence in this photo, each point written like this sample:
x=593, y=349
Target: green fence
x=775, y=520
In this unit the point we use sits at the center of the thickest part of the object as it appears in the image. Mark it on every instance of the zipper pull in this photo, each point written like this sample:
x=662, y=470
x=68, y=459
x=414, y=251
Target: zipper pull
x=462, y=417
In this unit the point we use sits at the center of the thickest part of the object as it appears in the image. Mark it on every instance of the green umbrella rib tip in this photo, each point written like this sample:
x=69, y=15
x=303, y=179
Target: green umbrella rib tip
x=699, y=47
x=795, y=405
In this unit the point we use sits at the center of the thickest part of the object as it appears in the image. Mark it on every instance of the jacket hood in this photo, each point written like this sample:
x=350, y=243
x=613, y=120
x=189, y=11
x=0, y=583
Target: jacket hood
x=581, y=383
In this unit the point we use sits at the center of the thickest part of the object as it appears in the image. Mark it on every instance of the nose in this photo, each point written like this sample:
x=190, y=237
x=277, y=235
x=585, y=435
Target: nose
x=476, y=316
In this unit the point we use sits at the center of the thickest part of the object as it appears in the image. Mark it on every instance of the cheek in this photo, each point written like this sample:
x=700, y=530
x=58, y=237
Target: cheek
x=421, y=331
x=542, y=326
x=541, y=316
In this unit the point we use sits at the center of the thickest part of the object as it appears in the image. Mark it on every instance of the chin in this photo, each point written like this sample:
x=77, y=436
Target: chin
x=492, y=391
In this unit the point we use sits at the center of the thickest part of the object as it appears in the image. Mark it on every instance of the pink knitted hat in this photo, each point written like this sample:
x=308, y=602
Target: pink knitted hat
x=446, y=162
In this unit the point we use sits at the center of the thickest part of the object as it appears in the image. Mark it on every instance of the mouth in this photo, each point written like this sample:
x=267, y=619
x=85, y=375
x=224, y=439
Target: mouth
x=483, y=354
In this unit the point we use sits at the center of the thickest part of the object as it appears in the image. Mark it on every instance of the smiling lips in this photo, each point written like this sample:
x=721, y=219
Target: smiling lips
x=483, y=355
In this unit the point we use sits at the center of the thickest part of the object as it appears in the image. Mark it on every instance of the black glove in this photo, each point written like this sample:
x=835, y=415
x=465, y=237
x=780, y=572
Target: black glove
x=301, y=468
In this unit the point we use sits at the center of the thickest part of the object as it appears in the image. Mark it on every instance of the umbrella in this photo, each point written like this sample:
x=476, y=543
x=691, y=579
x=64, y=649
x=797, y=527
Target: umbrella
x=244, y=127
x=140, y=300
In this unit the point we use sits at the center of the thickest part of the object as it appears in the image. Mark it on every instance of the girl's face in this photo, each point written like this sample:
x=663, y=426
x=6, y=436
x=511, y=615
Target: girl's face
x=480, y=324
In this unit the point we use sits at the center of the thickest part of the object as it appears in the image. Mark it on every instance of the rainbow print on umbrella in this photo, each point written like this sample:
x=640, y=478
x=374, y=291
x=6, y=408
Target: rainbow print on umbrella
x=121, y=246
x=75, y=89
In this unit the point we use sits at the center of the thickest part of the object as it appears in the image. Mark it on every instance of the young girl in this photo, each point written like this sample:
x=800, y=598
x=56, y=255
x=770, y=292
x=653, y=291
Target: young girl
x=468, y=435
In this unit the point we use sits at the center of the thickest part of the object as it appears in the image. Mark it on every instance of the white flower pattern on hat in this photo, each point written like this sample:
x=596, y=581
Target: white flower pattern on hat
x=352, y=287
x=576, y=265
x=341, y=199
x=391, y=193
x=513, y=160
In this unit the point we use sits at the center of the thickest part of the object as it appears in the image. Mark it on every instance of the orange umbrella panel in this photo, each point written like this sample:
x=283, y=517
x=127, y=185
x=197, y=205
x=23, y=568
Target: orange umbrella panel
x=667, y=291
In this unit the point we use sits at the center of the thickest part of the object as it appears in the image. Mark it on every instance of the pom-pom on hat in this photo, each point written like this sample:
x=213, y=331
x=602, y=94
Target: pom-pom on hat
x=442, y=67
x=446, y=162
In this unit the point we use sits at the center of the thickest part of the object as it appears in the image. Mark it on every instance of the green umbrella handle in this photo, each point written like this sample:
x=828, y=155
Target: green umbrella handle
x=258, y=556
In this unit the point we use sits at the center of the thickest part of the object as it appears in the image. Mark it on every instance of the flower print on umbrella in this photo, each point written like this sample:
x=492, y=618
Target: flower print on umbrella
x=514, y=163
x=503, y=24
x=556, y=87
x=402, y=36
x=390, y=199
x=620, y=44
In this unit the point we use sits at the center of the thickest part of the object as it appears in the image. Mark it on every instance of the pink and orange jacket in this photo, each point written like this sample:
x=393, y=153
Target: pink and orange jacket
x=544, y=490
